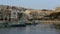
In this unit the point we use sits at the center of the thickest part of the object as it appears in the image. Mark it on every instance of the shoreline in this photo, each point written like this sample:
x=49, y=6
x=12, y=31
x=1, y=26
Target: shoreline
x=49, y=21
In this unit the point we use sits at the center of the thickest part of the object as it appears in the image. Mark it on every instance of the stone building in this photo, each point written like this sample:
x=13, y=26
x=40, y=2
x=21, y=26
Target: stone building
x=37, y=14
x=9, y=15
x=15, y=15
x=6, y=15
x=1, y=15
x=31, y=15
x=57, y=9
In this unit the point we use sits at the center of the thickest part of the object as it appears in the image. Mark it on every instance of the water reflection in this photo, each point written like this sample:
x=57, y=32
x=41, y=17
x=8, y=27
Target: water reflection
x=57, y=30
x=31, y=29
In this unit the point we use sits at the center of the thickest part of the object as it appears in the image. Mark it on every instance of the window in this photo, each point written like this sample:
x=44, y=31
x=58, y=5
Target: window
x=14, y=13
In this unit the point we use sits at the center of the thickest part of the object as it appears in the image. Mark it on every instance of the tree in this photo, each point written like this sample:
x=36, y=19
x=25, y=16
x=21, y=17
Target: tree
x=19, y=15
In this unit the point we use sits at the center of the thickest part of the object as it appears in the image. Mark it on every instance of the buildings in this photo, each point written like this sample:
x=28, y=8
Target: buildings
x=10, y=14
x=13, y=14
x=37, y=14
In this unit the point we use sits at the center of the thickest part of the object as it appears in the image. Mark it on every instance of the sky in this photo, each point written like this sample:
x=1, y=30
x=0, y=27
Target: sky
x=34, y=4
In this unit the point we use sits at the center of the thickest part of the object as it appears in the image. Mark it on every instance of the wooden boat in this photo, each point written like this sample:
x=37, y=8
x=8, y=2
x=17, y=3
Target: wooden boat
x=19, y=24
x=31, y=23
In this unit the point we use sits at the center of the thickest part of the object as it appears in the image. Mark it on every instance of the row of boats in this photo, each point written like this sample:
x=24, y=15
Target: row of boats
x=18, y=24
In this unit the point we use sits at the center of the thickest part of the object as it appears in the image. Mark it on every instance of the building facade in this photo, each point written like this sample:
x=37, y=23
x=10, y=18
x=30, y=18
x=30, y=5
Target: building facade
x=9, y=15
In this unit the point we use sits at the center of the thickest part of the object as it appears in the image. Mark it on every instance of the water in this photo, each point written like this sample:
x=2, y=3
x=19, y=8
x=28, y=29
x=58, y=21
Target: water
x=31, y=29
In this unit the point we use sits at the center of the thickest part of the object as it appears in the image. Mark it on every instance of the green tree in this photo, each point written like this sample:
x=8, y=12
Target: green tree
x=19, y=16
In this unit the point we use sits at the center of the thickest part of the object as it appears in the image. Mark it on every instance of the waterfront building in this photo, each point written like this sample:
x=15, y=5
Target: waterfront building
x=57, y=9
x=10, y=15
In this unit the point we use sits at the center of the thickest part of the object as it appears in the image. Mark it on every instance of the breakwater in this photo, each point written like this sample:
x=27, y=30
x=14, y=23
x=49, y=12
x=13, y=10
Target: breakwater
x=49, y=22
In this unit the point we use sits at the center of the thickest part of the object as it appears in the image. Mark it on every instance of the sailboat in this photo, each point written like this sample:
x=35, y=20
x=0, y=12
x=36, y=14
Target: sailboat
x=19, y=23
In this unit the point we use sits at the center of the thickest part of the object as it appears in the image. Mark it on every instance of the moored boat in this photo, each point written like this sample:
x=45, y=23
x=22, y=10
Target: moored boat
x=18, y=24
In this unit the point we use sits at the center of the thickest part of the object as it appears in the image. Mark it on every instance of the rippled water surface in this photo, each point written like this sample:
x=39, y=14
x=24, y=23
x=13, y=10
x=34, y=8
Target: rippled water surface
x=30, y=29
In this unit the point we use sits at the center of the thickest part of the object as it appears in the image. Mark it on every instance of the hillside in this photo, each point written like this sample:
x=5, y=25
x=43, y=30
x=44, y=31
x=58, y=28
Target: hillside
x=11, y=7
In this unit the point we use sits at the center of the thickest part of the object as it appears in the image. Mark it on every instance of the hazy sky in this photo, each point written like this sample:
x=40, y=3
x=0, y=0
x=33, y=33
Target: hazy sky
x=36, y=4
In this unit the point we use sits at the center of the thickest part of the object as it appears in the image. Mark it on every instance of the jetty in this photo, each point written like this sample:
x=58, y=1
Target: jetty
x=49, y=21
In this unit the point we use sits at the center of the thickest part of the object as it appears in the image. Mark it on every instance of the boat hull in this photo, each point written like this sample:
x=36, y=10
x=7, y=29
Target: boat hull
x=19, y=25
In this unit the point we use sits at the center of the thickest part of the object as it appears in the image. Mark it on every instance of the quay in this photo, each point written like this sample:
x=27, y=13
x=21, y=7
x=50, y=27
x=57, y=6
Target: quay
x=49, y=22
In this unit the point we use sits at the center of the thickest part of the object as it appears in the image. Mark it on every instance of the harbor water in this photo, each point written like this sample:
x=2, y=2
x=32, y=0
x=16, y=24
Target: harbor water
x=31, y=29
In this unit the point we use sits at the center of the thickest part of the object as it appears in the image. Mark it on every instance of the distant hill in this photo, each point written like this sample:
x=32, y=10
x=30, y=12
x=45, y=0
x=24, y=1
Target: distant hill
x=12, y=7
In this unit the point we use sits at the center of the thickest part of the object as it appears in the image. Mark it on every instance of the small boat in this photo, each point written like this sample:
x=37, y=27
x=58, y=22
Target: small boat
x=12, y=24
x=18, y=24
x=32, y=23
x=3, y=24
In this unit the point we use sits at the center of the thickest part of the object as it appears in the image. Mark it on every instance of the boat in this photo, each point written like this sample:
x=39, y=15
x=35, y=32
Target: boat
x=13, y=24
x=3, y=24
x=19, y=24
x=31, y=23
